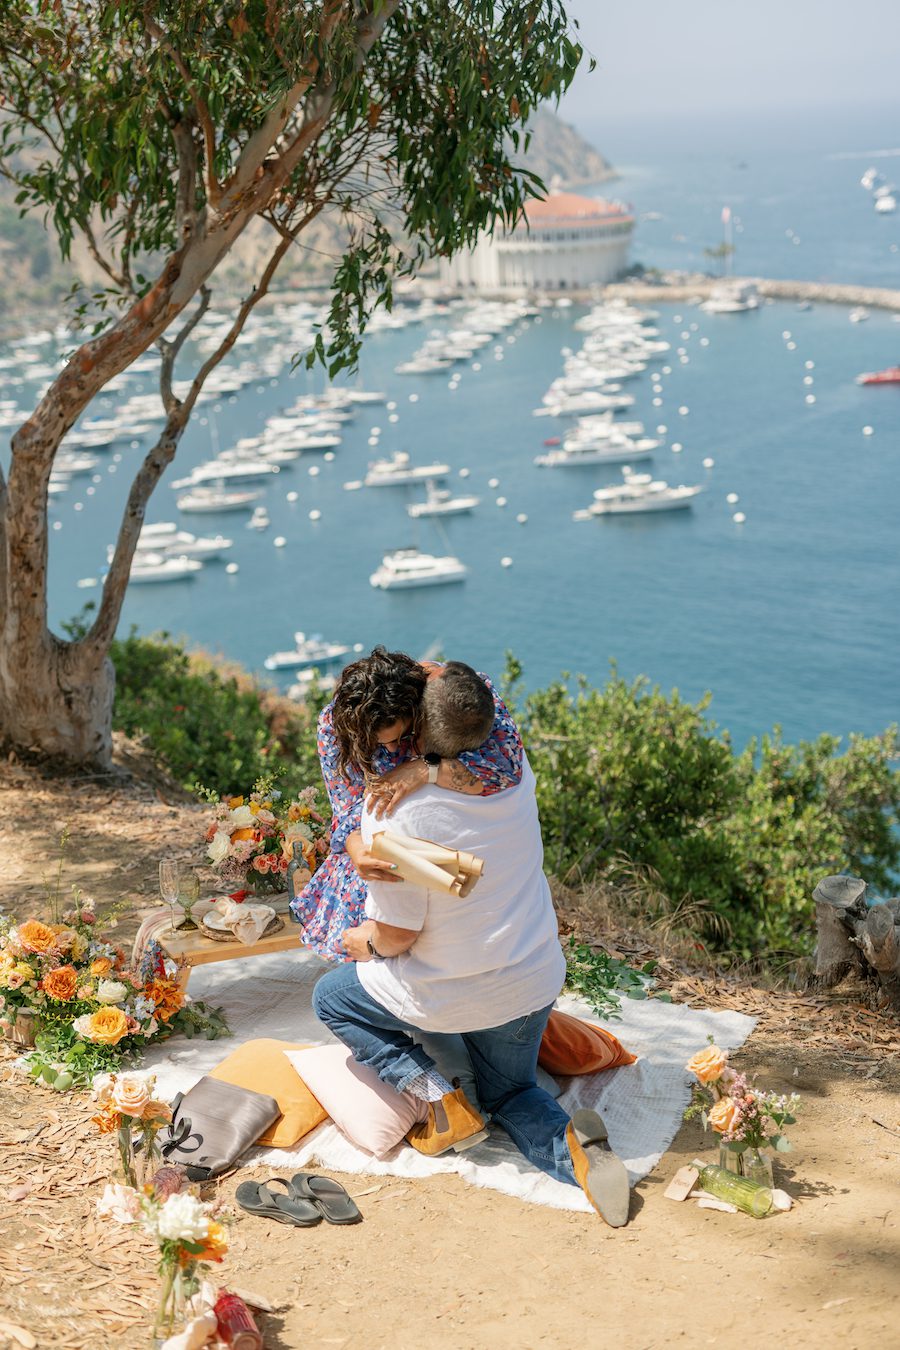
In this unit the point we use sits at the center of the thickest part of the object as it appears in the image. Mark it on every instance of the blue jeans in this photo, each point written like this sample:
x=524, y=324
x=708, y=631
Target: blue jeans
x=504, y=1059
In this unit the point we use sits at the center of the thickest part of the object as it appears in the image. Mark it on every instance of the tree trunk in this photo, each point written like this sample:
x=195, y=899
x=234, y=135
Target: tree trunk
x=56, y=697
x=850, y=935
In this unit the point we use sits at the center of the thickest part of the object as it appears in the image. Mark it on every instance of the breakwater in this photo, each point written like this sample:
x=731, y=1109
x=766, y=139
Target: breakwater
x=678, y=288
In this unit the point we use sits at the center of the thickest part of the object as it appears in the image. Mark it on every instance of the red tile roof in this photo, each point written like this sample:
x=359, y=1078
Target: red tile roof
x=568, y=208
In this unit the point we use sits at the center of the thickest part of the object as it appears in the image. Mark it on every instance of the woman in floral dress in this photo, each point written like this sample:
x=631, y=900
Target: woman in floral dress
x=368, y=745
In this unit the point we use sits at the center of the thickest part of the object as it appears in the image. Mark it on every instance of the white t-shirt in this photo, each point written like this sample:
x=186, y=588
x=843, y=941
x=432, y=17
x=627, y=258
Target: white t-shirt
x=484, y=960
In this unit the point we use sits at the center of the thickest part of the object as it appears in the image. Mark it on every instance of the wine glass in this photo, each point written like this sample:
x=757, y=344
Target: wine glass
x=188, y=894
x=168, y=884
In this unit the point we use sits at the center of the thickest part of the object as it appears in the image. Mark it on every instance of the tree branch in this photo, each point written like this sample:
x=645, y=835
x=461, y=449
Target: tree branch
x=171, y=349
x=186, y=193
x=213, y=186
x=119, y=278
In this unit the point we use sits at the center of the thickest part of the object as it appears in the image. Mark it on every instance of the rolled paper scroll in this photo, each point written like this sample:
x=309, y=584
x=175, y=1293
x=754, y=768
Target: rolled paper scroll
x=425, y=863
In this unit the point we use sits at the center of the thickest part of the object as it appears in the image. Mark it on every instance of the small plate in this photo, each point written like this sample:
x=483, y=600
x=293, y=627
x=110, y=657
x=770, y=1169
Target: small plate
x=216, y=921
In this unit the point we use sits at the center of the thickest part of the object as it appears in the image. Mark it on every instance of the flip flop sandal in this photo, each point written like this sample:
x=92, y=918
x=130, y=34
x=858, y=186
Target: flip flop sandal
x=606, y=1180
x=327, y=1195
x=256, y=1198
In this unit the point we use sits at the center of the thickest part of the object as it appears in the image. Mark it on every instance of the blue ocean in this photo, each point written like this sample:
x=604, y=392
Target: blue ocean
x=785, y=618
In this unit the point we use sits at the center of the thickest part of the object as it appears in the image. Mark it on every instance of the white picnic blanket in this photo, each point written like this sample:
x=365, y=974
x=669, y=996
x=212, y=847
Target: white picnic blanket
x=642, y=1103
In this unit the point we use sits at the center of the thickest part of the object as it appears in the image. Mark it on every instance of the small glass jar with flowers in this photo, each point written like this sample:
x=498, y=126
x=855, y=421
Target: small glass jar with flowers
x=749, y=1122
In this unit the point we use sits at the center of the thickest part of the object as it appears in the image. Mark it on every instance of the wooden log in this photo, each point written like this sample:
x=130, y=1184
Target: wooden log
x=839, y=901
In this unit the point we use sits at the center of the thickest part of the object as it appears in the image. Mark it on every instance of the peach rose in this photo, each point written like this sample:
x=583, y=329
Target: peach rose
x=61, y=983
x=157, y=1112
x=130, y=1094
x=36, y=937
x=106, y=1026
x=102, y=966
x=709, y=1064
x=724, y=1115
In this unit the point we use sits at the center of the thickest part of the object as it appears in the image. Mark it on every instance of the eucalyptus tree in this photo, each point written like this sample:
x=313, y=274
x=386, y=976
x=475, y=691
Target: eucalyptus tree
x=154, y=132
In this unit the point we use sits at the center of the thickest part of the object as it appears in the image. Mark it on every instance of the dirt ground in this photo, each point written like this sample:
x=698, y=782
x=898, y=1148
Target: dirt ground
x=439, y=1261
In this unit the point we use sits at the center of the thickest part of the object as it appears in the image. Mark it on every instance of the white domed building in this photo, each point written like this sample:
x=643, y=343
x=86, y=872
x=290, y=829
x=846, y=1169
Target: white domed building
x=564, y=242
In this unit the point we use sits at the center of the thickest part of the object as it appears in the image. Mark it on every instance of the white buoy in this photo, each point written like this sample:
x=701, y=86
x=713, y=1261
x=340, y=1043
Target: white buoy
x=57, y=524
x=684, y=360
x=393, y=417
x=704, y=342
x=676, y=446
x=708, y=462
x=391, y=406
x=521, y=518
x=810, y=365
x=279, y=541
x=353, y=486
x=786, y=334
x=867, y=431
x=96, y=477
x=86, y=583
x=738, y=517
x=117, y=459
x=808, y=379
x=683, y=410
x=732, y=498
x=79, y=506
x=501, y=501
x=693, y=327
x=231, y=568
x=493, y=482
x=476, y=365
x=89, y=492
x=313, y=471
x=676, y=318
x=667, y=370
x=464, y=473
x=293, y=496
x=414, y=398
x=328, y=456
x=506, y=562
x=810, y=398
x=374, y=431
x=792, y=346
x=315, y=515
x=661, y=430
x=657, y=403
x=110, y=468
x=373, y=440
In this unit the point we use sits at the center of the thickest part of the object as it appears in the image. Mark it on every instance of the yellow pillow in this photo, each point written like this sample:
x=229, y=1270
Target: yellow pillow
x=263, y=1066
x=570, y=1047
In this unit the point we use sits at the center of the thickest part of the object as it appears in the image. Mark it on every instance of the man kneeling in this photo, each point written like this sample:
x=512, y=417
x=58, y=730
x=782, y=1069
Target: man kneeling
x=489, y=967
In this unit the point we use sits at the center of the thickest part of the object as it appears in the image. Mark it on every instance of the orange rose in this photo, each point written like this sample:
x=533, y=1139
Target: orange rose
x=102, y=966
x=709, y=1064
x=106, y=1119
x=245, y=833
x=36, y=937
x=723, y=1115
x=61, y=983
x=235, y=802
x=214, y=1244
x=106, y=1026
x=157, y=1112
x=167, y=997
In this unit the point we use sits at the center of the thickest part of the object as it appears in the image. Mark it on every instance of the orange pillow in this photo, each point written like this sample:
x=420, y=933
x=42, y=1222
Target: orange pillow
x=570, y=1046
x=263, y=1066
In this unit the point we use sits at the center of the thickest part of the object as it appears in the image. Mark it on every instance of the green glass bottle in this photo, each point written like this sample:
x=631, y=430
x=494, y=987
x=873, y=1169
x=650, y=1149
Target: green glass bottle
x=295, y=863
x=747, y=1195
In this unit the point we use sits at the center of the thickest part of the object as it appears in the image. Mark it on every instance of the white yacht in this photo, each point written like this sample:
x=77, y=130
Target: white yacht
x=221, y=472
x=399, y=469
x=307, y=652
x=606, y=451
x=441, y=502
x=407, y=567
x=859, y=315
x=155, y=567
x=639, y=493
x=259, y=520
x=731, y=297
x=423, y=365
x=886, y=205
x=304, y=682
x=205, y=500
x=587, y=401
x=166, y=538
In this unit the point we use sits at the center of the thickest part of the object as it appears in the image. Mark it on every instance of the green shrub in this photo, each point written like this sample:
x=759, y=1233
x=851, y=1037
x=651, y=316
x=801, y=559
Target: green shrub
x=207, y=726
x=632, y=780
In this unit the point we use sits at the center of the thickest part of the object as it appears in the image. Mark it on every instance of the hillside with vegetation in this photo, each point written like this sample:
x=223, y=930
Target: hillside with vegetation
x=37, y=279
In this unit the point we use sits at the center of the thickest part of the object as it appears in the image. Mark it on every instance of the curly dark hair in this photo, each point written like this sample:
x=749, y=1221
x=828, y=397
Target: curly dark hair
x=381, y=688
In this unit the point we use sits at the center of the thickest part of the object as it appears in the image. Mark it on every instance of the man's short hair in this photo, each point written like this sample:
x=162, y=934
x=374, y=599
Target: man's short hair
x=459, y=710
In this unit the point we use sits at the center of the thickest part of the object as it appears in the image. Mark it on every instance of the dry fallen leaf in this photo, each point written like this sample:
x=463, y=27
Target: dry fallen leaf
x=18, y=1334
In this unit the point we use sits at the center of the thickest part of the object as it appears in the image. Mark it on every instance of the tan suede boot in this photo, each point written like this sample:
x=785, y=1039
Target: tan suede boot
x=599, y=1173
x=452, y=1122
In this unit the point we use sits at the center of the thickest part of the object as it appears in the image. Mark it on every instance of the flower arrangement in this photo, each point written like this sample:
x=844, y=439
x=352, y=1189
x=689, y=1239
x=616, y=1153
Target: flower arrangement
x=91, y=1010
x=745, y=1118
x=126, y=1103
x=188, y=1238
x=250, y=841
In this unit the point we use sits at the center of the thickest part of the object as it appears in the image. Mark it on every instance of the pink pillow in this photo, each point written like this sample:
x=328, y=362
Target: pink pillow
x=372, y=1115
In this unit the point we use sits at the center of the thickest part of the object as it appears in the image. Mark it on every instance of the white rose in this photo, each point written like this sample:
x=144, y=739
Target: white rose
x=81, y=1025
x=183, y=1218
x=121, y=1203
x=218, y=848
x=241, y=817
x=111, y=991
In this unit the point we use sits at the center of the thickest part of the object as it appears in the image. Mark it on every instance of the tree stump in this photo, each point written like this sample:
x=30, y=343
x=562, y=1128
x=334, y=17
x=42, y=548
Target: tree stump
x=851, y=936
